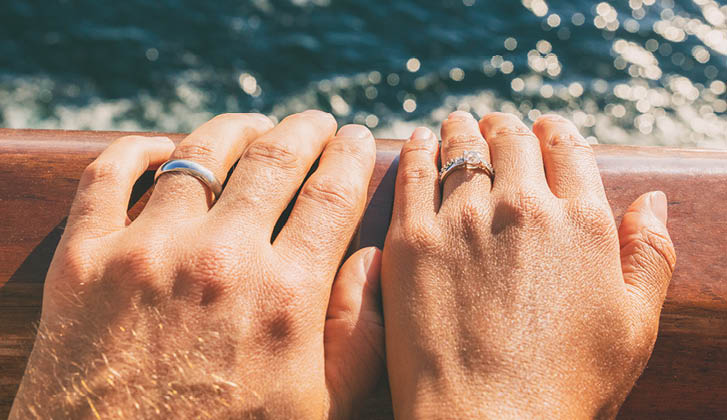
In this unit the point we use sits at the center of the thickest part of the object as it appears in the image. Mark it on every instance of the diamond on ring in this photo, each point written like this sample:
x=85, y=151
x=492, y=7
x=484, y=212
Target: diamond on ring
x=470, y=159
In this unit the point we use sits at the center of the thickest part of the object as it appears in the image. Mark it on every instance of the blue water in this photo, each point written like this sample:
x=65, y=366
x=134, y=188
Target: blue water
x=637, y=72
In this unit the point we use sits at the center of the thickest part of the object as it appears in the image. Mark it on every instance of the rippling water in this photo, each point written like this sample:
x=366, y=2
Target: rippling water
x=627, y=71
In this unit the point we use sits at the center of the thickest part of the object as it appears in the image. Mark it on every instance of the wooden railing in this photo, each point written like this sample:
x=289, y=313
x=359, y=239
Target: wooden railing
x=687, y=374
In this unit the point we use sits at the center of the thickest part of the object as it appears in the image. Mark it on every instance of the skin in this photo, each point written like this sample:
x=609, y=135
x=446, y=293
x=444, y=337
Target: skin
x=192, y=310
x=519, y=298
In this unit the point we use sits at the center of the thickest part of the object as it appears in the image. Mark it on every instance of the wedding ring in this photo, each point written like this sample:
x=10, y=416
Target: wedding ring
x=187, y=167
x=470, y=160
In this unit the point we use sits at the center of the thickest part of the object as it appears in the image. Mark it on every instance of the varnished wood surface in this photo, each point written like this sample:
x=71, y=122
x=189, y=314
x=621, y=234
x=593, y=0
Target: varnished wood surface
x=685, y=379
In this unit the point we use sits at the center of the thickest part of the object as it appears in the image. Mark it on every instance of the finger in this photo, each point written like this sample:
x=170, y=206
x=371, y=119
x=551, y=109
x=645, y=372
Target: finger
x=416, y=194
x=515, y=153
x=460, y=134
x=648, y=257
x=570, y=165
x=329, y=206
x=272, y=169
x=105, y=187
x=354, y=332
x=216, y=145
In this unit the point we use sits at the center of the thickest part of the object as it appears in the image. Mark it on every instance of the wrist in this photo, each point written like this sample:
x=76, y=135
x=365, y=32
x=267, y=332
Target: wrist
x=487, y=398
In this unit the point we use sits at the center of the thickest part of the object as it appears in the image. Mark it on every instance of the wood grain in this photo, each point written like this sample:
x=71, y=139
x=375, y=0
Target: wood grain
x=685, y=378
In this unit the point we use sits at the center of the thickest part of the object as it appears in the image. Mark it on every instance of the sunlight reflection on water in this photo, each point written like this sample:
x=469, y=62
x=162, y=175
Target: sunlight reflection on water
x=628, y=72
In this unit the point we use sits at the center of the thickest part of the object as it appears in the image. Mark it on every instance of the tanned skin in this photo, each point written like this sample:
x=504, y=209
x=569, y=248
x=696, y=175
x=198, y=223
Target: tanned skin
x=519, y=298
x=191, y=311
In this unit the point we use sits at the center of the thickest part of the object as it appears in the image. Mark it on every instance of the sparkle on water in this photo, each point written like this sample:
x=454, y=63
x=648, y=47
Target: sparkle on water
x=668, y=89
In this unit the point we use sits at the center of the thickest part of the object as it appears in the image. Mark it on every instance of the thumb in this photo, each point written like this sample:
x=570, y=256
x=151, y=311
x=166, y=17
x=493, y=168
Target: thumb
x=647, y=253
x=354, y=333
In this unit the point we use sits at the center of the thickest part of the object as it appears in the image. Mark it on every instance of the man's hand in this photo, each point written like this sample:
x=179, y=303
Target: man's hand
x=518, y=298
x=196, y=312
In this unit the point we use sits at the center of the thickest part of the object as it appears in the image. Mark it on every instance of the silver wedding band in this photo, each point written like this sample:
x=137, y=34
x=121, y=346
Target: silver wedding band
x=187, y=167
x=471, y=160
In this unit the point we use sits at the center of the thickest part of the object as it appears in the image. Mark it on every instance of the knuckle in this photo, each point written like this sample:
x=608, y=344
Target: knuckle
x=527, y=207
x=418, y=153
x=567, y=140
x=206, y=276
x=193, y=150
x=76, y=258
x=595, y=219
x=276, y=154
x=415, y=147
x=513, y=130
x=474, y=214
x=459, y=141
x=139, y=263
x=334, y=193
x=362, y=150
x=103, y=170
x=415, y=174
x=212, y=264
x=413, y=237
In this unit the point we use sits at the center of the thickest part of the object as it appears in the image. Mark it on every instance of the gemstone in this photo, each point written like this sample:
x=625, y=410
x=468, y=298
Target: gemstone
x=472, y=158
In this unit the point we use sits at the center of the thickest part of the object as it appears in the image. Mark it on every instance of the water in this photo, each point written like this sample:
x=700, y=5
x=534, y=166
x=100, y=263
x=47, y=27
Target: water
x=628, y=72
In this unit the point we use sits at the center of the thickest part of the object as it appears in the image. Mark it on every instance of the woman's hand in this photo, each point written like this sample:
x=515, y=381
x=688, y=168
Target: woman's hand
x=195, y=312
x=518, y=298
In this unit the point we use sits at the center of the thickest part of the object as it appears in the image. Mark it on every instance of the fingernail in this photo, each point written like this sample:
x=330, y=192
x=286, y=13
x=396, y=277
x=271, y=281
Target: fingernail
x=354, y=131
x=368, y=261
x=460, y=115
x=317, y=113
x=659, y=206
x=555, y=118
x=162, y=139
x=422, y=133
x=260, y=116
x=369, y=258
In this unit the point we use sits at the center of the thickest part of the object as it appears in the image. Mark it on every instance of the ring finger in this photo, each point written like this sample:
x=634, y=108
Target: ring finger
x=460, y=134
x=216, y=145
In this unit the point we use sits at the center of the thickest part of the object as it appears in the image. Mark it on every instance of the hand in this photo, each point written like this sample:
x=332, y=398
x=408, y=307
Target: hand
x=518, y=298
x=195, y=312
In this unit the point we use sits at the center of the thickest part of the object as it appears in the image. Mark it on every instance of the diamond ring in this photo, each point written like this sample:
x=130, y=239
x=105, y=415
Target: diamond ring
x=470, y=160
